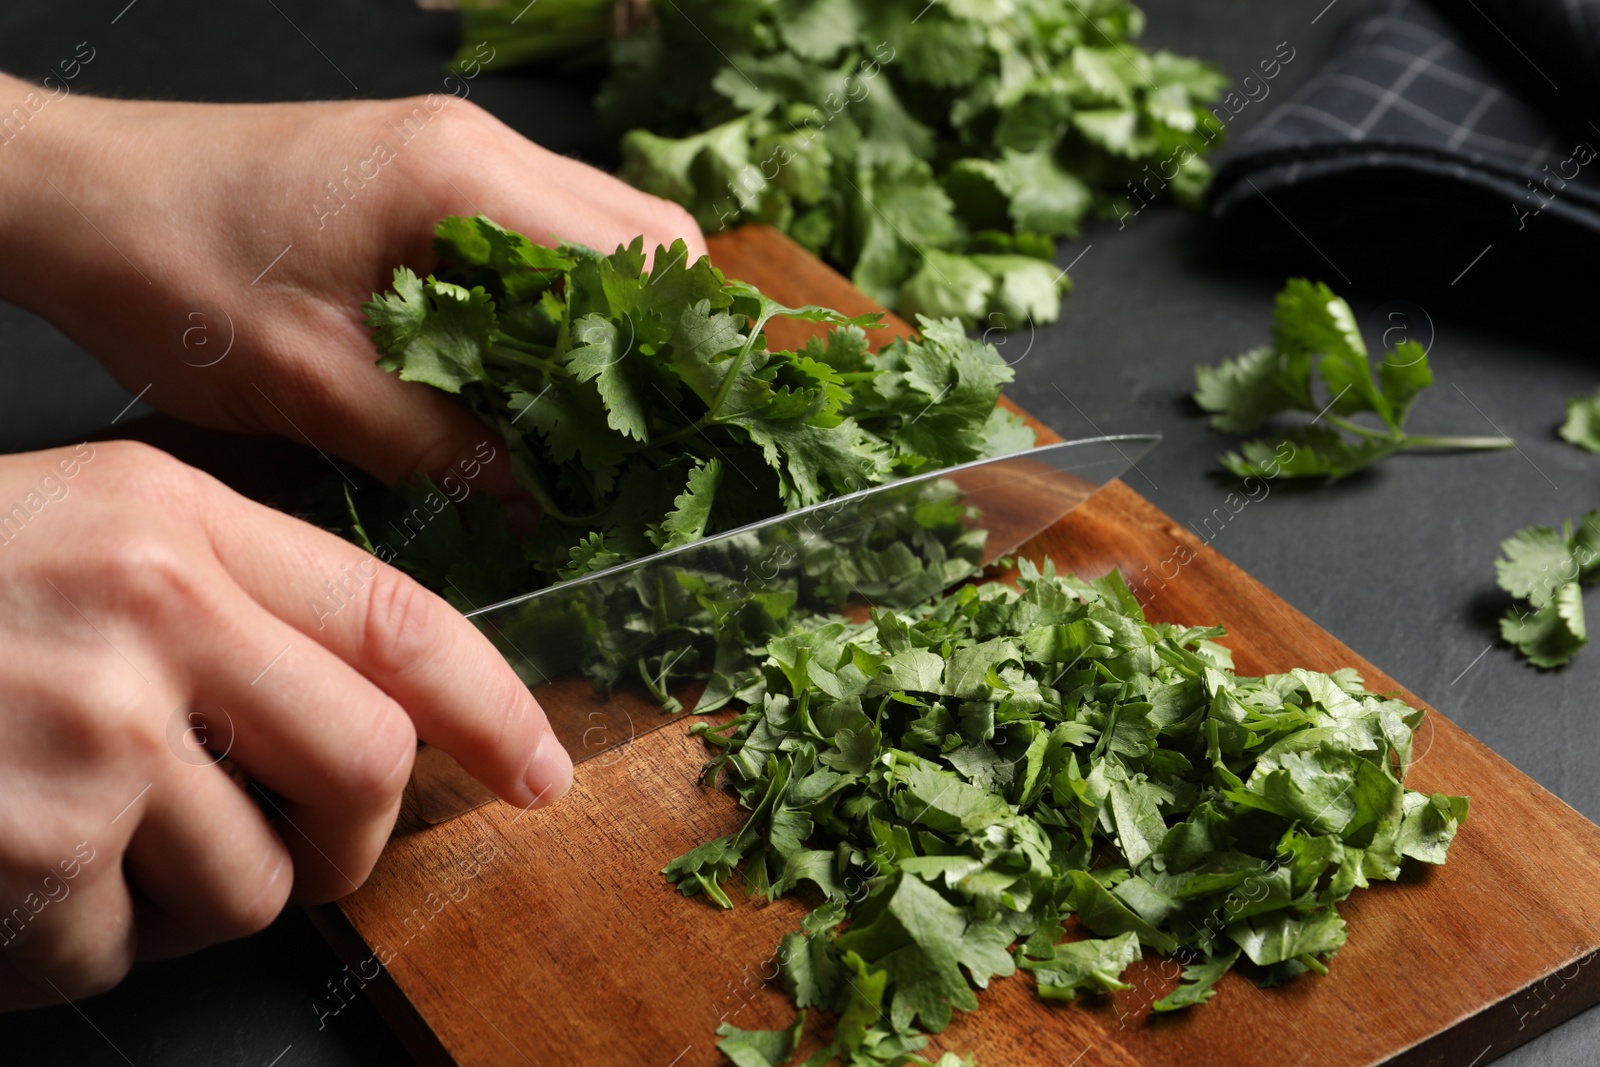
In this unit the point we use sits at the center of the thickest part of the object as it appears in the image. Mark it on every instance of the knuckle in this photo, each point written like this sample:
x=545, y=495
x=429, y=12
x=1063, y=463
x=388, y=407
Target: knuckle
x=250, y=916
x=136, y=467
x=112, y=720
x=132, y=454
x=148, y=575
x=100, y=719
x=470, y=110
x=400, y=627
x=378, y=773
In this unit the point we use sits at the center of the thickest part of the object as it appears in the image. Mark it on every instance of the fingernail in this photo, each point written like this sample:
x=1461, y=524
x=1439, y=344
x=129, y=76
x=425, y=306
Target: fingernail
x=549, y=773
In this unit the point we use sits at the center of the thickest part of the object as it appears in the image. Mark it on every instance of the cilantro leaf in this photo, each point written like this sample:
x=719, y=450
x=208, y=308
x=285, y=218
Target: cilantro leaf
x=1282, y=936
x=1431, y=822
x=432, y=331
x=1548, y=636
x=1244, y=392
x=1538, y=561
x=691, y=510
x=760, y=1048
x=1582, y=427
x=1199, y=984
x=1003, y=291
x=1090, y=965
x=602, y=359
x=1546, y=568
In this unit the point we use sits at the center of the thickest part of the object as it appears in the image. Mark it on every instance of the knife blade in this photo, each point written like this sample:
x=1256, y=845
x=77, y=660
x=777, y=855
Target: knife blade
x=890, y=546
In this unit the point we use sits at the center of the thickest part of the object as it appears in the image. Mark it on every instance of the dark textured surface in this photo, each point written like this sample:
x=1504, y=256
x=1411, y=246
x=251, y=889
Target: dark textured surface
x=1397, y=563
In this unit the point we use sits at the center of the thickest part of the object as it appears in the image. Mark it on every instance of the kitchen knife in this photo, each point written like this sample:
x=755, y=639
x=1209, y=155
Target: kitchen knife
x=890, y=546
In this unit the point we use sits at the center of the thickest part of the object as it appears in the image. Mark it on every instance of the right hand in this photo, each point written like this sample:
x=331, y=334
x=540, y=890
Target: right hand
x=140, y=598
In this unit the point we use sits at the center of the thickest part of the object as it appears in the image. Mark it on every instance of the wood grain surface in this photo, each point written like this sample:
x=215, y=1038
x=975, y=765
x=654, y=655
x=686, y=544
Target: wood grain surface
x=550, y=938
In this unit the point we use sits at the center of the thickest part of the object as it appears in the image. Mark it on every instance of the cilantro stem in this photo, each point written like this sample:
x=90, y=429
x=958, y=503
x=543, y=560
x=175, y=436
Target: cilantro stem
x=700, y=425
x=1358, y=429
x=1411, y=440
x=756, y=326
x=525, y=359
x=710, y=417
x=1437, y=441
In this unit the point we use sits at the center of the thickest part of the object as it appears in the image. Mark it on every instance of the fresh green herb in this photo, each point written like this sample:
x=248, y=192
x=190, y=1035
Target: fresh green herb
x=1545, y=570
x=935, y=153
x=644, y=409
x=1044, y=780
x=497, y=35
x=760, y=1048
x=1315, y=336
x=1582, y=427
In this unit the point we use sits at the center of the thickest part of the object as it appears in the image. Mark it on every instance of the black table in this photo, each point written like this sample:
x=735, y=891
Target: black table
x=1398, y=562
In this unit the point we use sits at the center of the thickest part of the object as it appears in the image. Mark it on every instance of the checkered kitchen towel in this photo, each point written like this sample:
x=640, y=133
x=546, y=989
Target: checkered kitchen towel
x=1426, y=138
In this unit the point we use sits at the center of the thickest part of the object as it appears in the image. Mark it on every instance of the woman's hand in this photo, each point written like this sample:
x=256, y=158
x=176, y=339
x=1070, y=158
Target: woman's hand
x=219, y=254
x=150, y=620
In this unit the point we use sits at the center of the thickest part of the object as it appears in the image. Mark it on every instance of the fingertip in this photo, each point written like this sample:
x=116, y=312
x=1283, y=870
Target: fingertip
x=548, y=775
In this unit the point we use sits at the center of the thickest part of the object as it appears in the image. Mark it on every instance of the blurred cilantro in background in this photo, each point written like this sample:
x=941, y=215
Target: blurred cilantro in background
x=934, y=152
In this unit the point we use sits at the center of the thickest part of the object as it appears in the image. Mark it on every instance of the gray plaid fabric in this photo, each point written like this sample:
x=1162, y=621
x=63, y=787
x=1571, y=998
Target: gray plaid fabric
x=1428, y=125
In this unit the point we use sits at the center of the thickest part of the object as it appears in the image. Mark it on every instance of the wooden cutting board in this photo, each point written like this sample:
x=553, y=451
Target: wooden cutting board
x=550, y=938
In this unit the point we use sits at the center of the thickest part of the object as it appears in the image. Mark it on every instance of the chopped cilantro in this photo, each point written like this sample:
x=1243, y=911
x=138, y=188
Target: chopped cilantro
x=1040, y=779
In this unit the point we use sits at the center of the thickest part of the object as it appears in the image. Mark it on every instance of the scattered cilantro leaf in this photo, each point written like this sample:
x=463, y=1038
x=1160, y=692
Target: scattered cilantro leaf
x=1582, y=427
x=1315, y=339
x=1199, y=984
x=760, y=1048
x=1089, y=965
x=1546, y=568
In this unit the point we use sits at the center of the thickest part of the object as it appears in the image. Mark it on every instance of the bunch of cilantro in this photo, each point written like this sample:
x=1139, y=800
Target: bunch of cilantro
x=934, y=152
x=644, y=409
x=1315, y=336
x=1040, y=779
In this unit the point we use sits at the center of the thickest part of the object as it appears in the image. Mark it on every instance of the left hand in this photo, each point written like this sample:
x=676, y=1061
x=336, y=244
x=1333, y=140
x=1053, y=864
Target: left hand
x=219, y=253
